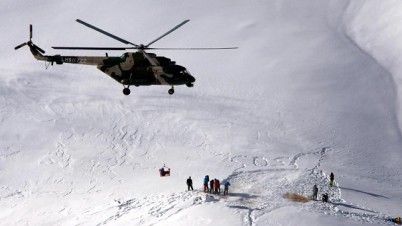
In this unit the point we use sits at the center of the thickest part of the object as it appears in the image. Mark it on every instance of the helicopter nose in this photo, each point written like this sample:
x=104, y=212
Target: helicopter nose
x=190, y=78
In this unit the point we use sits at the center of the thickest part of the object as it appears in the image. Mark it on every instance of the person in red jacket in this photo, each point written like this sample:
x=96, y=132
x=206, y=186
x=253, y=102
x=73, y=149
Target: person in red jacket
x=216, y=186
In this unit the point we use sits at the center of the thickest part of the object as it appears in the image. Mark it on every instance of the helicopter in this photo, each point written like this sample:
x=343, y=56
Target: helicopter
x=138, y=68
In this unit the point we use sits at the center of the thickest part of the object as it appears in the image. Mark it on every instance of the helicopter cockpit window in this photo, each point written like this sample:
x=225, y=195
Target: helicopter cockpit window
x=124, y=56
x=185, y=72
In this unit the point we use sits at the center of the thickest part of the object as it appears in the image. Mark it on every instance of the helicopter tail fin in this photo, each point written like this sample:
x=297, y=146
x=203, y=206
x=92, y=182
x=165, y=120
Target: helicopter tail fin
x=36, y=50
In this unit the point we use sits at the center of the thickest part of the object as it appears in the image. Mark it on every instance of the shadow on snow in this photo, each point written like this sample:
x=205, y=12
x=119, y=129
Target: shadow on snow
x=367, y=193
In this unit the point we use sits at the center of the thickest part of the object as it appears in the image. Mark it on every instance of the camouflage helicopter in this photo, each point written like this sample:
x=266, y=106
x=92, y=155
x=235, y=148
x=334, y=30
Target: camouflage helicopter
x=131, y=68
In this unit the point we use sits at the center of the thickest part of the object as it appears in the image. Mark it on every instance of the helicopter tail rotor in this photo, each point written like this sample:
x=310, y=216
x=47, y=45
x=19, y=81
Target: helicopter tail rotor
x=30, y=32
x=19, y=46
x=30, y=39
x=30, y=43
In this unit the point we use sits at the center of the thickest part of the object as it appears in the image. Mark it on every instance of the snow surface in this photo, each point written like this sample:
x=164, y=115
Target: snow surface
x=314, y=88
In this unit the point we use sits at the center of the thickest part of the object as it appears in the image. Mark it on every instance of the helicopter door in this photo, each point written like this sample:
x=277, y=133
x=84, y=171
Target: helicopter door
x=164, y=171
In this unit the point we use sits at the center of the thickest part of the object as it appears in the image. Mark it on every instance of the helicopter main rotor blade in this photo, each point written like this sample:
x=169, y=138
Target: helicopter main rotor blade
x=104, y=32
x=170, y=31
x=124, y=48
x=195, y=48
x=93, y=48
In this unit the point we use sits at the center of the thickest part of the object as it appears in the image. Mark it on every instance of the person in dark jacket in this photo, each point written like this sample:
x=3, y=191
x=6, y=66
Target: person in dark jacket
x=315, y=192
x=211, y=186
x=189, y=183
x=331, y=179
x=325, y=197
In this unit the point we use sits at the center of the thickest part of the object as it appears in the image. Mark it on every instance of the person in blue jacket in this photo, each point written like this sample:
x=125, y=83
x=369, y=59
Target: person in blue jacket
x=206, y=180
x=226, y=191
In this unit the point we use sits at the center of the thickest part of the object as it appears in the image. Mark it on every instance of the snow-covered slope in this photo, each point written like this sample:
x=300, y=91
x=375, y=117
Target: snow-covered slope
x=313, y=88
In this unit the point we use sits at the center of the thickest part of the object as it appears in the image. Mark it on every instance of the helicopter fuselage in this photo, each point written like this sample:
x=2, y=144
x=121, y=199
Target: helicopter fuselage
x=131, y=68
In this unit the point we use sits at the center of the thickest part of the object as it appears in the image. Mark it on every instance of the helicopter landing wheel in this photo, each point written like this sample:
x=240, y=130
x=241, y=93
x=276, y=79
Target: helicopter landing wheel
x=171, y=91
x=126, y=91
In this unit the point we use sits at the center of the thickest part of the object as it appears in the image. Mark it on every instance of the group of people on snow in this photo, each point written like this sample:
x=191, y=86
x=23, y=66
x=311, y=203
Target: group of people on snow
x=215, y=186
x=212, y=186
x=324, y=196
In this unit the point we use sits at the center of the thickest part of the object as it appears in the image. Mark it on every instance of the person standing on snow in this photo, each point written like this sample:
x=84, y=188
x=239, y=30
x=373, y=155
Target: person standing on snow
x=216, y=186
x=206, y=180
x=211, y=186
x=226, y=191
x=189, y=184
x=315, y=192
x=325, y=197
x=331, y=179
